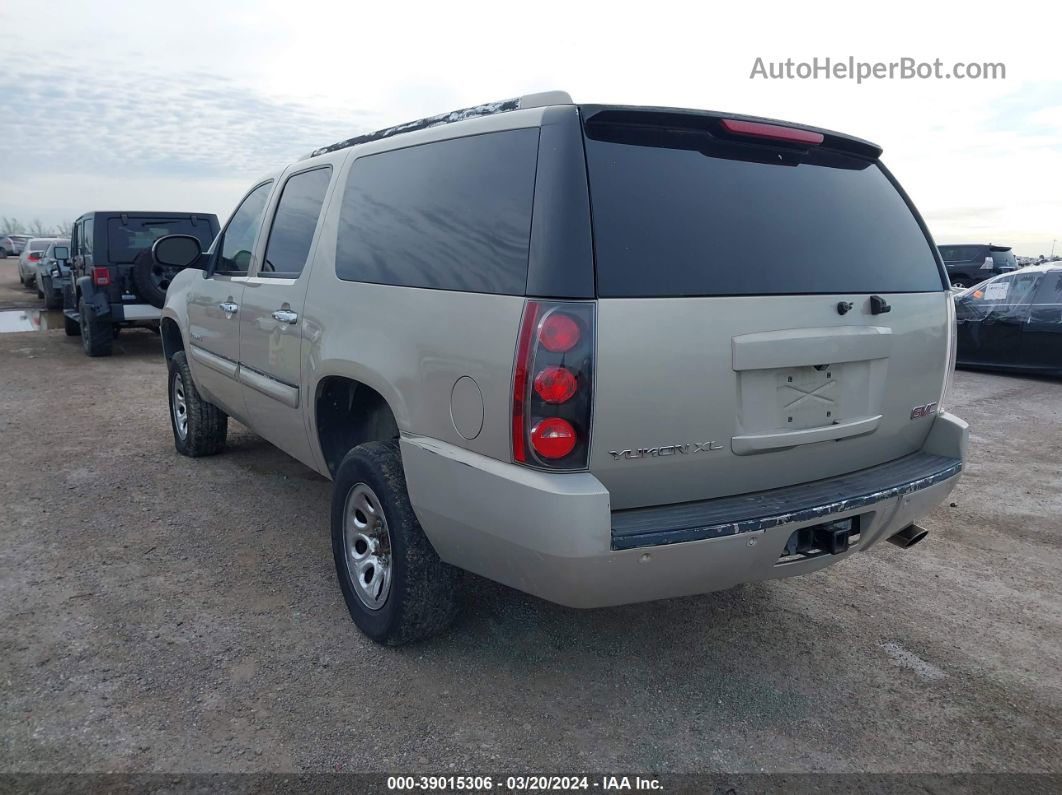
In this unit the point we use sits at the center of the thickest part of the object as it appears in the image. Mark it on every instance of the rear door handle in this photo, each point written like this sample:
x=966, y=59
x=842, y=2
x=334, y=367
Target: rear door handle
x=286, y=316
x=228, y=307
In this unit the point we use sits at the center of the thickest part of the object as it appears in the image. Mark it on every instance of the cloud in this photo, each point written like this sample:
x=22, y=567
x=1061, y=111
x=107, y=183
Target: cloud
x=147, y=124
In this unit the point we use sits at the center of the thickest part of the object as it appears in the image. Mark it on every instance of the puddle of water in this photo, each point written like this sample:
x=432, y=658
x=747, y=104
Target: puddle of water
x=30, y=320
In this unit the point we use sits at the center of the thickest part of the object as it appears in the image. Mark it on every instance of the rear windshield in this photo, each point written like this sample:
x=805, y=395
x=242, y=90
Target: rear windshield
x=38, y=245
x=678, y=215
x=1004, y=259
x=125, y=240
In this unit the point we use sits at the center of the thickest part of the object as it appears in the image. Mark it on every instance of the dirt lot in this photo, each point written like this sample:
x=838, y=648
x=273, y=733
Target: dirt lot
x=164, y=614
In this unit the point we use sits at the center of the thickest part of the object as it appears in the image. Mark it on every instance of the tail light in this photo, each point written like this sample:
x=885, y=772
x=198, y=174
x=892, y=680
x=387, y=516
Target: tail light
x=775, y=132
x=951, y=355
x=101, y=277
x=552, y=385
x=34, y=256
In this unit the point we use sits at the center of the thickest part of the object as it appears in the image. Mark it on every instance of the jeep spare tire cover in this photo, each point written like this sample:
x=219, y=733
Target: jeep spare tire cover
x=151, y=279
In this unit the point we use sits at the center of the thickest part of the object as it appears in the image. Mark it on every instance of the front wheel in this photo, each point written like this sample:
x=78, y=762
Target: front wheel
x=396, y=588
x=961, y=282
x=53, y=299
x=199, y=428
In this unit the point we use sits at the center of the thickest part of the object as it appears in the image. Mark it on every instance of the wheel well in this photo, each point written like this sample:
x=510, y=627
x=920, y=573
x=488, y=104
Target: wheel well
x=171, y=337
x=350, y=413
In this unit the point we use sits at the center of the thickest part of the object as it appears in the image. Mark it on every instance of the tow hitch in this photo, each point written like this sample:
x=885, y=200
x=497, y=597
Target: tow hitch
x=828, y=538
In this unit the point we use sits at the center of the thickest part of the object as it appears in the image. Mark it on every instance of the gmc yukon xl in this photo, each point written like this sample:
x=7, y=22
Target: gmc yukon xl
x=600, y=354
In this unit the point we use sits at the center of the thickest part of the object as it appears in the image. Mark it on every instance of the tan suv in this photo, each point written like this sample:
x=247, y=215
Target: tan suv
x=600, y=354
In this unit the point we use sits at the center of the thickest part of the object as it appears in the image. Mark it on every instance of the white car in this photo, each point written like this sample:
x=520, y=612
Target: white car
x=30, y=257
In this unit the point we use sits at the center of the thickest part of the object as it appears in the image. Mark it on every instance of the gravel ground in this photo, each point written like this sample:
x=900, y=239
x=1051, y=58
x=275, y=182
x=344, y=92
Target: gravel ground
x=164, y=614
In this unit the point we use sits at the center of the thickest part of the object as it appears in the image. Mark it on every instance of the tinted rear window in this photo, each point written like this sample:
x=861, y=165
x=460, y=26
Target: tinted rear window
x=452, y=215
x=126, y=240
x=675, y=215
x=1004, y=259
x=963, y=253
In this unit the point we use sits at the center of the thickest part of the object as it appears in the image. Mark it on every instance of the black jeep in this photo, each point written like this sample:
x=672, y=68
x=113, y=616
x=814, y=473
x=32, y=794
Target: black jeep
x=115, y=283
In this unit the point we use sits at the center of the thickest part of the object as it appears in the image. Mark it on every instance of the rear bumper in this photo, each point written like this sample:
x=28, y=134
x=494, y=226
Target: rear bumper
x=555, y=536
x=128, y=312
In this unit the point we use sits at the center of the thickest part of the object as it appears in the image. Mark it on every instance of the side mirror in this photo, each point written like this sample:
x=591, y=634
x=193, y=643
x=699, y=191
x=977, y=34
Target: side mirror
x=61, y=252
x=176, y=251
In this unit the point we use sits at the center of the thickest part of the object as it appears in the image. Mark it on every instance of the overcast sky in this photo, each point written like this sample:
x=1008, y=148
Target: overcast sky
x=116, y=105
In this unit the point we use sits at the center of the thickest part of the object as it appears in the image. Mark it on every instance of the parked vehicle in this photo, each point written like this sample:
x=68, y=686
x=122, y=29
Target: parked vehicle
x=53, y=273
x=1013, y=322
x=115, y=282
x=733, y=371
x=12, y=245
x=30, y=257
x=969, y=264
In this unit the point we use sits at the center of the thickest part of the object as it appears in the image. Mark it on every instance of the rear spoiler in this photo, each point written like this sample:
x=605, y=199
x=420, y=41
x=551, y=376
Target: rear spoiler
x=725, y=125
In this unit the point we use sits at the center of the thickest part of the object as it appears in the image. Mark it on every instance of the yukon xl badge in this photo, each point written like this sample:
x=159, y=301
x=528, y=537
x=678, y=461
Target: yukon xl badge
x=923, y=411
x=665, y=450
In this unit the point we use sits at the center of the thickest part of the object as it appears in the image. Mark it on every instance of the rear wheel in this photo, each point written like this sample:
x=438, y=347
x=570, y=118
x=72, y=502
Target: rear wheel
x=396, y=588
x=199, y=427
x=961, y=281
x=97, y=335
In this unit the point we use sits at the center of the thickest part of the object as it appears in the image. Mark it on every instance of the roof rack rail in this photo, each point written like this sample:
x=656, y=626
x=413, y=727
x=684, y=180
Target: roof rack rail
x=489, y=109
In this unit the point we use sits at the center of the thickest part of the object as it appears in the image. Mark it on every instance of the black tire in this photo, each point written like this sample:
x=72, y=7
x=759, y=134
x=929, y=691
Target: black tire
x=206, y=426
x=71, y=326
x=97, y=336
x=961, y=281
x=422, y=599
x=51, y=299
x=151, y=279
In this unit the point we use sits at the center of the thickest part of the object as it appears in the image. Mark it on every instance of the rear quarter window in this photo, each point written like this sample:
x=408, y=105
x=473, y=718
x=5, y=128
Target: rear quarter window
x=449, y=215
x=707, y=219
x=964, y=253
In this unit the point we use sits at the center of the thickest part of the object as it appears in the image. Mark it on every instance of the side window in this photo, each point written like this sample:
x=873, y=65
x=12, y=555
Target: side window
x=998, y=297
x=87, y=235
x=1050, y=290
x=294, y=223
x=451, y=215
x=237, y=239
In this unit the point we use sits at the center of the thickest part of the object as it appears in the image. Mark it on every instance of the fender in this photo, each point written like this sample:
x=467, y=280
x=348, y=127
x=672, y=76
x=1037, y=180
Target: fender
x=93, y=297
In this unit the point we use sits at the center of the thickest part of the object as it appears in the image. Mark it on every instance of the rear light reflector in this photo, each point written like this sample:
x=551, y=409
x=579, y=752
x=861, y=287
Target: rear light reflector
x=777, y=132
x=553, y=437
x=555, y=384
x=34, y=256
x=523, y=357
x=101, y=277
x=558, y=332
